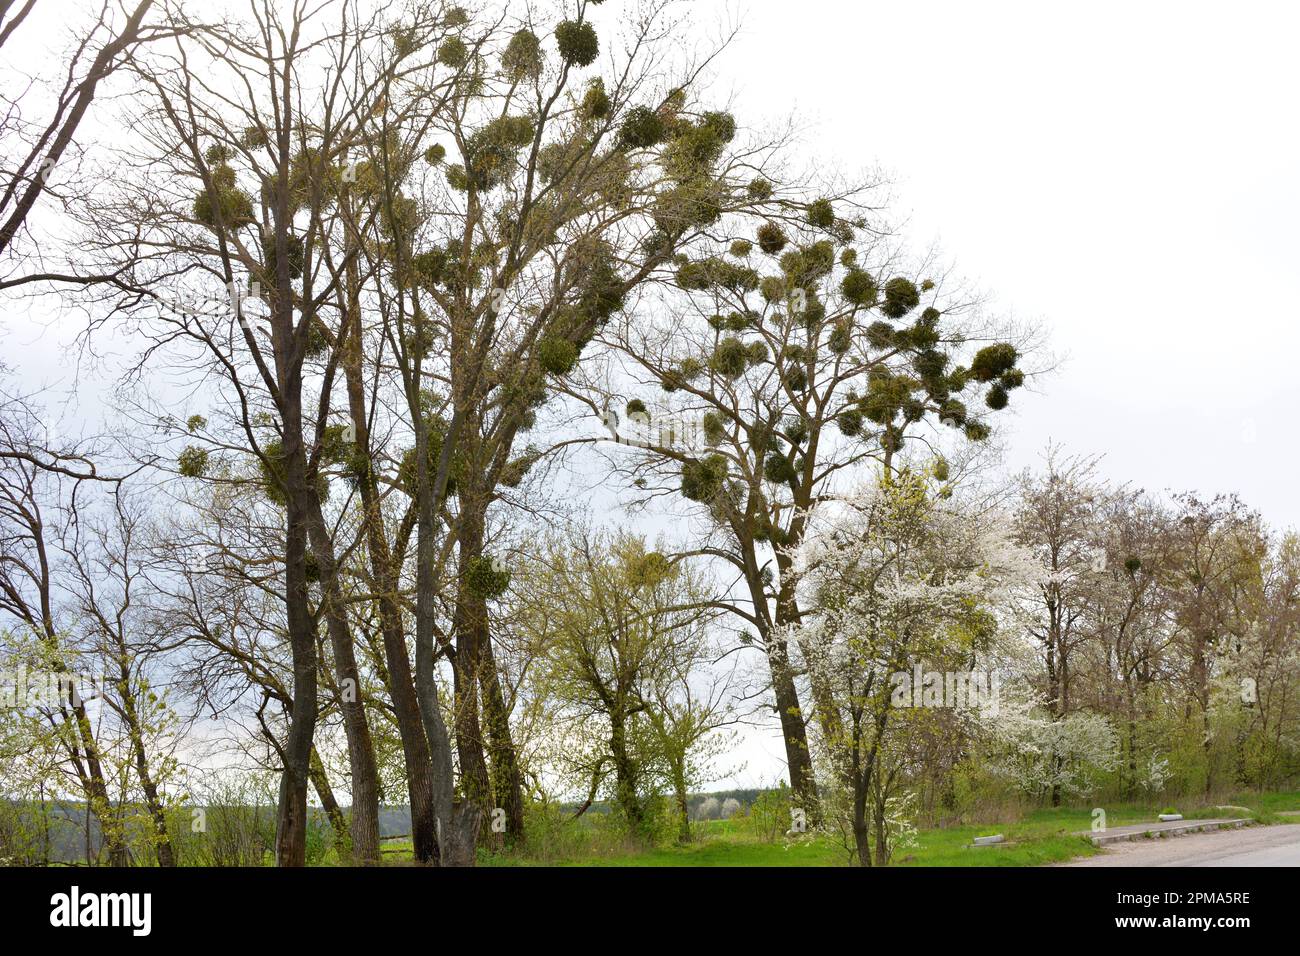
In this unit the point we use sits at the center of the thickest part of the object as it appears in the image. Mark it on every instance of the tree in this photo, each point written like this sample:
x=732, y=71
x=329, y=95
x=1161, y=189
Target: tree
x=226, y=140
x=564, y=193
x=73, y=578
x=898, y=577
x=110, y=587
x=1218, y=552
x=36, y=148
x=1058, y=519
x=625, y=629
x=791, y=356
x=463, y=186
x=685, y=722
x=1258, y=694
x=1131, y=628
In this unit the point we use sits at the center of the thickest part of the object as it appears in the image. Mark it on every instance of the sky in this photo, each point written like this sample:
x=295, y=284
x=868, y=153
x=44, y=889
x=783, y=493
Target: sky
x=1123, y=174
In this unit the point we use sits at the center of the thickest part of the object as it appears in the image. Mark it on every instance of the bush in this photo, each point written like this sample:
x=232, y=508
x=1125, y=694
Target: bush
x=453, y=53
x=769, y=816
x=641, y=129
x=708, y=809
x=771, y=238
x=237, y=823
x=578, y=42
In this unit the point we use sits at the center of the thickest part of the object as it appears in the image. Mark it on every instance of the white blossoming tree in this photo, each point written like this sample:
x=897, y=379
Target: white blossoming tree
x=901, y=574
x=1057, y=755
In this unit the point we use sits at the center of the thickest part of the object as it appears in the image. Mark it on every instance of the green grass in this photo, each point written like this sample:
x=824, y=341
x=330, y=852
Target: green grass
x=1045, y=835
x=707, y=850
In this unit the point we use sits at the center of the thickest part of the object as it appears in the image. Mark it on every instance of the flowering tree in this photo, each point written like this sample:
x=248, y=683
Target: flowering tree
x=1049, y=755
x=903, y=574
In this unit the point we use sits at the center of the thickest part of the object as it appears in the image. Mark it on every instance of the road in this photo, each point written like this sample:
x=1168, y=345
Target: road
x=1252, y=846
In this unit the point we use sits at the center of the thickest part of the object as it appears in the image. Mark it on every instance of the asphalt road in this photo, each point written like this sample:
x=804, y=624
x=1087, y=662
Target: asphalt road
x=1251, y=846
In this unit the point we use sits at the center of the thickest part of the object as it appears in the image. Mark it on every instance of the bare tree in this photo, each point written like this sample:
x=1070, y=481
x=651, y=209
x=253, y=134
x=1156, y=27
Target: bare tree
x=34, y=148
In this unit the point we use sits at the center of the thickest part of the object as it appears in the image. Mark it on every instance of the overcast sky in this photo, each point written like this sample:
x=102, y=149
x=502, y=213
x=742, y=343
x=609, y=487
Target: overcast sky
x=1125, y=174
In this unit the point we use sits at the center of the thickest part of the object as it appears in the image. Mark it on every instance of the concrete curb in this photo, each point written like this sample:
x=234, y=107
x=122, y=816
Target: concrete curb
x=1140, y=831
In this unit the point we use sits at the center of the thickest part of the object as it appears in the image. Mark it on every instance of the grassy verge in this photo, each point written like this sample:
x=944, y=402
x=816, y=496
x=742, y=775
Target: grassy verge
x=1047, y=835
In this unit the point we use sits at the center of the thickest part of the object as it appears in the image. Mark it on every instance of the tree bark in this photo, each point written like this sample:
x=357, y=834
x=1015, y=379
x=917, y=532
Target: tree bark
x=384, y=571
x=470, y=622
x=291, y=822
x=794, y=733
x=458, y=822
x=364, y=829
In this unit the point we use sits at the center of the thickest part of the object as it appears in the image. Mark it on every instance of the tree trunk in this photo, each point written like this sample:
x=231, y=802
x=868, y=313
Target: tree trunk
x=320, y=781
x=507, y=780
x=1054, y=697
x=793, y=731
x=882, y=835
x=421, y=781
x=861, y=831
x=415, y=747
x=364, y=830
x=153, y=804
x=96, y=788
x=470, y=622
x=291, y=821
x=683, y=807
x=625, y=777
x=457, y=821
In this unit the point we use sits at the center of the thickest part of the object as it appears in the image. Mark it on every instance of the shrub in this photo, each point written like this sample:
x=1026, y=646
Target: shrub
x=193, y=462
x=769, y=815
x=641, y=129
x=578, y=42
x=771, y=239
x=453, y=53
